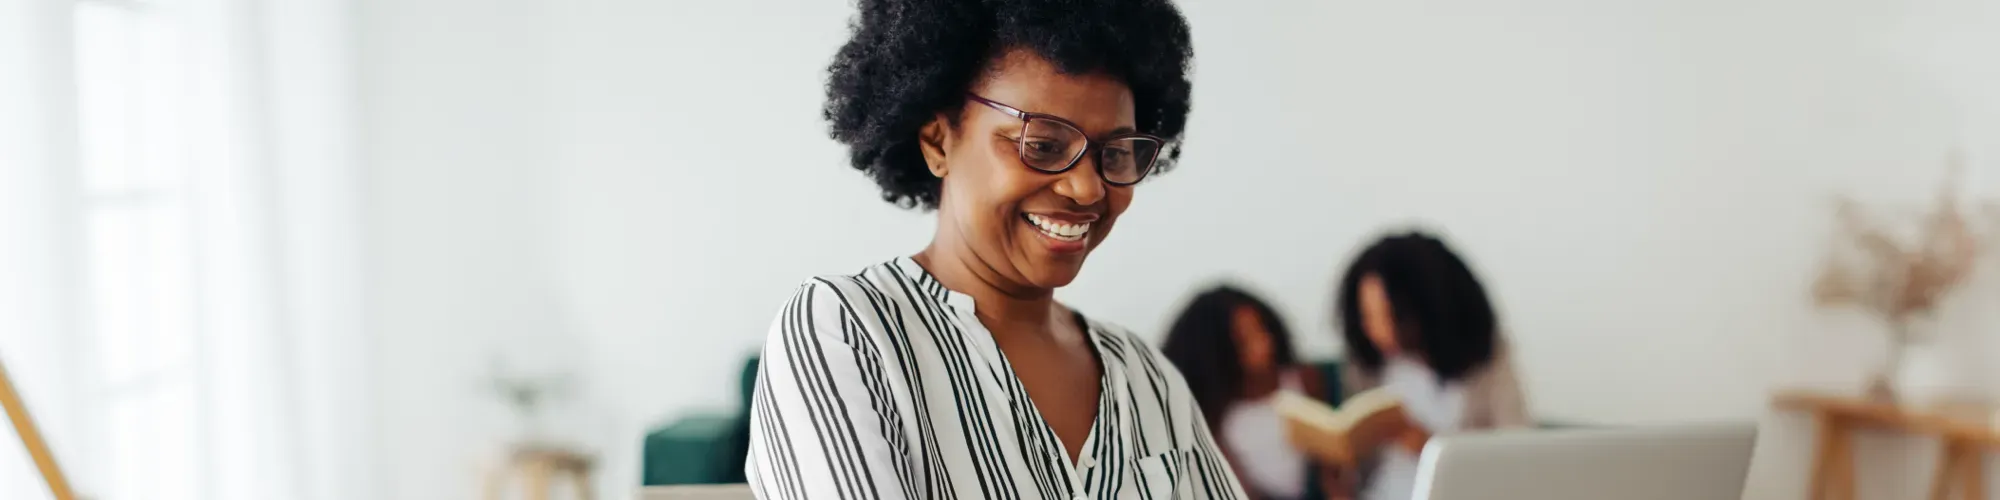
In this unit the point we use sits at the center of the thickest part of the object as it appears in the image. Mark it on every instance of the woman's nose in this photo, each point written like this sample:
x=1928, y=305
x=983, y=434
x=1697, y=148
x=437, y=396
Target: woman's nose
x=1081, y=183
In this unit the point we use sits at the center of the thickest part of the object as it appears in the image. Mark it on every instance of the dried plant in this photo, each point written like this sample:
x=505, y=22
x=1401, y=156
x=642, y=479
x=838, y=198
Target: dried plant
x=527, y=395
x=1898, y=279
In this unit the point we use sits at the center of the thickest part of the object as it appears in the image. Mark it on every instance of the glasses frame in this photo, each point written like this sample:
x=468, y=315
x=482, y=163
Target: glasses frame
x=1021, y=143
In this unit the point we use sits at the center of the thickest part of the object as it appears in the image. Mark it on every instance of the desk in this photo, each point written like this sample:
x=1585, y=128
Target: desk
x=1967, y=432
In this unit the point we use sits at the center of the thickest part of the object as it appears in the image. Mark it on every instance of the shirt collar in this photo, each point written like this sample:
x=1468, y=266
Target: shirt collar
x=931, y=286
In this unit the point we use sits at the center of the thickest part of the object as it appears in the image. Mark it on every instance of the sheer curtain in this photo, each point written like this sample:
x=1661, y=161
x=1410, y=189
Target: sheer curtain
x=178, y=253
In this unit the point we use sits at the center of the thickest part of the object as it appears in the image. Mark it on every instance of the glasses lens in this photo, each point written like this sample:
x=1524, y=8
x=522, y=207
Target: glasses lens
x=1050, y=145
x=1127, y=160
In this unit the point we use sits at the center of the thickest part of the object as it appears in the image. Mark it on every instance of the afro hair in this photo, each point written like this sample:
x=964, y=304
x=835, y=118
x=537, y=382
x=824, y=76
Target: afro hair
x=1439, y=307
x=909, y=60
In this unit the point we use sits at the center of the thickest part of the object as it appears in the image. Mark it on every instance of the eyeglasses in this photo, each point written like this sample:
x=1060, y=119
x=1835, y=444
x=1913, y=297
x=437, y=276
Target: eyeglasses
x=1051, y=144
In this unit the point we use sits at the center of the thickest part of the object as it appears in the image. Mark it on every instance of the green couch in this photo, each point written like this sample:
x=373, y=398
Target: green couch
x=703, y=448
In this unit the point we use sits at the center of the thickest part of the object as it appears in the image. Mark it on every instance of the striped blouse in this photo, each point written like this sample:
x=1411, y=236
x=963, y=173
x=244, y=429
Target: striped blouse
x=884, y=385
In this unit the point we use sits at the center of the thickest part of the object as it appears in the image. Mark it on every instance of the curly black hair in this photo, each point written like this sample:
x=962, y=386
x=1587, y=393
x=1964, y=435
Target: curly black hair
x=1440, y=309
x=909, y=60
x=1202, y=345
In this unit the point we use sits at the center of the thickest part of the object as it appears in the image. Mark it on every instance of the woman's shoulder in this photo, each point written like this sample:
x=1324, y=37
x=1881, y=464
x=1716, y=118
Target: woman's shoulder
x=1497, y=371
x=853, y=306
x=883, y=282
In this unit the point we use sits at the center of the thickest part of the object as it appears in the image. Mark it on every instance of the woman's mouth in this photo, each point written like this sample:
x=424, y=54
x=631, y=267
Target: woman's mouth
x=1057, y=229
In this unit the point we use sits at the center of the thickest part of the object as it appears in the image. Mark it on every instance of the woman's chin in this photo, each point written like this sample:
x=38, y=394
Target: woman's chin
x=1056, y=274
x=1045, y=261
x=1053, y=280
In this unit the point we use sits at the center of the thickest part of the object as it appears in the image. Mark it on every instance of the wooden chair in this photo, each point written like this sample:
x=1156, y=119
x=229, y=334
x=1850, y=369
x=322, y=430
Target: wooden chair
x=537, y=470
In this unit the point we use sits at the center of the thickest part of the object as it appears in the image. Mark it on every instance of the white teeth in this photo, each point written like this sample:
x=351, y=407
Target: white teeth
x=1059, y=230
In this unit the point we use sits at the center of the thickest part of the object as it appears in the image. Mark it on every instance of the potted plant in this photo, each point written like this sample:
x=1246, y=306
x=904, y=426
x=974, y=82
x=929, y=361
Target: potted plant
x=1901, y=279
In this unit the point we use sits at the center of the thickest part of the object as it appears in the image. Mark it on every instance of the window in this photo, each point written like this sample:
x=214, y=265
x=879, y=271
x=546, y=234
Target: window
x=136, y=255
x=178, y=256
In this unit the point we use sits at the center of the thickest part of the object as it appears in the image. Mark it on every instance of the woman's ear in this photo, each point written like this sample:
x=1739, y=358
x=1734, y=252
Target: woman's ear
x=934, y=139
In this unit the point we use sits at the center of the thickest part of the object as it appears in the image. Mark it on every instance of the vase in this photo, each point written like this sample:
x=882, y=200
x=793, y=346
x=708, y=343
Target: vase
x=1927, y=374
x=1920, y=368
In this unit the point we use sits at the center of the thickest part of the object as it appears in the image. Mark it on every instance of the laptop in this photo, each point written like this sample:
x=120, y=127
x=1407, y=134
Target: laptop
x=1692, y=462
x=697, y=492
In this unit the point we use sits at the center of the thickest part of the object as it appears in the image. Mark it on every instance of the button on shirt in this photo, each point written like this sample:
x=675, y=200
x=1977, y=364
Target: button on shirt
x=883, y=384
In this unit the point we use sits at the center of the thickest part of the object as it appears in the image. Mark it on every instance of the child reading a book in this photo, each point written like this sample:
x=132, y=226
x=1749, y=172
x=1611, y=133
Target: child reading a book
x=1236, y=354
x=1419, y=327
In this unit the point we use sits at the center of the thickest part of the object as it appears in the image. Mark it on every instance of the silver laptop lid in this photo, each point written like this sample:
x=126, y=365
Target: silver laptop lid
x=1689, y=462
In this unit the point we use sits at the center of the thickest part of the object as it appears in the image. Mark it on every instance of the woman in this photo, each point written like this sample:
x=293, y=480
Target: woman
x=954, y=373
x=1417, y=322
x=1237, y=354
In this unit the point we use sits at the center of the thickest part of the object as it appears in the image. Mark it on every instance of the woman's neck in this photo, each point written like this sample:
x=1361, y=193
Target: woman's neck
x=1000, y=303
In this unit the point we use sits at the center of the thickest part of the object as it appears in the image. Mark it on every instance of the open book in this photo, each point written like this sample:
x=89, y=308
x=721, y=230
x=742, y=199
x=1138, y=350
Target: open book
x=1341, y=435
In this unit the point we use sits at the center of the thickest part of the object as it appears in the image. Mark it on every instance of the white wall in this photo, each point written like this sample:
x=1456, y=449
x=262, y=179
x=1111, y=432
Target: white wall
x=456, y=139
x=632, y=186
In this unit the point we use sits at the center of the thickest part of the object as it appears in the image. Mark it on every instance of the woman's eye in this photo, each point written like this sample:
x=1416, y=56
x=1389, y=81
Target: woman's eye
x=1043, y=151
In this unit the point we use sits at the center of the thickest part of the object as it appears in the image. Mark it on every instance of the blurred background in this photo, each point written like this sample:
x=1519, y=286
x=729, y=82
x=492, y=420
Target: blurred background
x=333, y=249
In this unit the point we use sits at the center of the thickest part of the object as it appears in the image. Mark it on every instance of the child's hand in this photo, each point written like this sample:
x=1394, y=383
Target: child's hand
x=1413, y=439
x=1409, y=434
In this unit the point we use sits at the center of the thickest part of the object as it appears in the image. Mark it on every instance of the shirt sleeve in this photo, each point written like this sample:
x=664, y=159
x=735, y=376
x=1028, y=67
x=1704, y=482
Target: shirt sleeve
x=823, y=423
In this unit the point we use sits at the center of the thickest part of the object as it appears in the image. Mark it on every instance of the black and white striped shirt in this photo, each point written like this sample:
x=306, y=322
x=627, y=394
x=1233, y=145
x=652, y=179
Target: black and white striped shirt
x=884, y=385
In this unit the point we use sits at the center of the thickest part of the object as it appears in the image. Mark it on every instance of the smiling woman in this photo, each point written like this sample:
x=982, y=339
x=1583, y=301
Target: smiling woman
x=954, y=372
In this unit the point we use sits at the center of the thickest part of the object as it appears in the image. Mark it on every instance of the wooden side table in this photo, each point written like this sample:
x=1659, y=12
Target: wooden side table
x=1966, y=431
x=537, y=469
